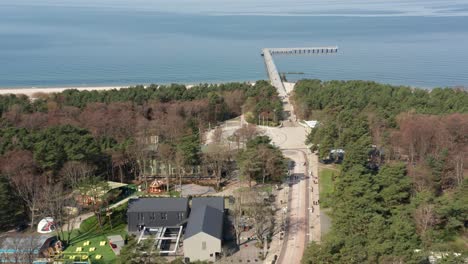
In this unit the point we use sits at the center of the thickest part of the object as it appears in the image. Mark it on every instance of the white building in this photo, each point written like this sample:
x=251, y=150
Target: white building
x=204, y=234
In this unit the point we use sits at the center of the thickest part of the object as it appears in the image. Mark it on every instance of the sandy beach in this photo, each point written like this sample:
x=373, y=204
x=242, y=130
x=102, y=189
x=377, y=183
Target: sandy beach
x=36, y=90
x=32, y=92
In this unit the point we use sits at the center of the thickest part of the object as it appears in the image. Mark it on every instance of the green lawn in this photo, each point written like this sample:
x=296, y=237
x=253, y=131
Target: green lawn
x=90, y=231
x=326, y=185
x=106, y=252
x=267, y=188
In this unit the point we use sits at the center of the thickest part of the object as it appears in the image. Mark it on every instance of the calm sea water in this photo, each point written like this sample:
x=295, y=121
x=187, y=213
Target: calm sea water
x=86, y=45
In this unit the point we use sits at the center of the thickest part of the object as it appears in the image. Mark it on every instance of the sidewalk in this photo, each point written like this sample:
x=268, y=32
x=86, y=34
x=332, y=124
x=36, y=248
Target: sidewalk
x=314, y=214
x=276, y=243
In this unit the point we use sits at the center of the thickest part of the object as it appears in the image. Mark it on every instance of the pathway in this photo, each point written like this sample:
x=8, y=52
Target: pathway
x=315, y=218
x=76, y=222
x=296, y=237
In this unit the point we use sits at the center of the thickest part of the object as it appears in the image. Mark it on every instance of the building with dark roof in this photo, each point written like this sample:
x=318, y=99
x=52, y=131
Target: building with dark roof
x=215, y=202
x=204, y=233
x=156, y=212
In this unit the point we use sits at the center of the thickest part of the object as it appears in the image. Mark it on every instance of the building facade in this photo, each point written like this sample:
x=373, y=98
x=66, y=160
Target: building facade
x=204, y=233
x=156, y=212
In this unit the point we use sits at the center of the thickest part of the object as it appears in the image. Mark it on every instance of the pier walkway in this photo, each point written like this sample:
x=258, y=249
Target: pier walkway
x=272, y=71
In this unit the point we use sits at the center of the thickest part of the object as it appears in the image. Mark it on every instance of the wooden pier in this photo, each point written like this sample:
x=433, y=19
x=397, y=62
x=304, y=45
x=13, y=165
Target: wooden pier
x=272, y=71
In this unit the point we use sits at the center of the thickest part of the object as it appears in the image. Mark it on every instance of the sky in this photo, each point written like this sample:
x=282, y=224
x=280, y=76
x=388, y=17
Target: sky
x=273, y=7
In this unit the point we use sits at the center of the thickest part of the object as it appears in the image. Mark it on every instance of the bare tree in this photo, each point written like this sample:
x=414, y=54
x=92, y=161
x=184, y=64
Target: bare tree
x=119, y=161
x=237, y=215
x=94, y=192
x=216, y=159
x=261, y=213
x=167, y=155
x=419, y=175
x=217, y=136
x=63, y=207
x=75, y=171
x=253, y=205
x=138, y=153
x=246, y=132
x=181, y=166
x=425, y=218
x=23, y=173
x=459, y=167
x=441, y=137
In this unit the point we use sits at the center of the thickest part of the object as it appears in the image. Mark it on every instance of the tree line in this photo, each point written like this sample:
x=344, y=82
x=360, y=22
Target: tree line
x=401, y=194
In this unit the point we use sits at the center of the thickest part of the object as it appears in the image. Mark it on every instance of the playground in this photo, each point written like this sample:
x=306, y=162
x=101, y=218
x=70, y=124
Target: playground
x=90, y=242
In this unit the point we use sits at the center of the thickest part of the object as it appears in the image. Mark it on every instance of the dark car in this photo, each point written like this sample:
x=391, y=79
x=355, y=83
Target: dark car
x=21, y=227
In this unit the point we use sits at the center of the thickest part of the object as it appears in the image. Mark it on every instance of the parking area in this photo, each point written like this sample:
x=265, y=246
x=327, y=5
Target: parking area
x=247, y=252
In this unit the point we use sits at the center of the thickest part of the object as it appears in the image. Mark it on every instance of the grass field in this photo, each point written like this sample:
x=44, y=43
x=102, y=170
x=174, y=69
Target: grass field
x=90, y=231
x=326, y=185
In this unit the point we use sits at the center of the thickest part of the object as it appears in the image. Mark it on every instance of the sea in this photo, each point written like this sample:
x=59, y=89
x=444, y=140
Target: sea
x=67, y=43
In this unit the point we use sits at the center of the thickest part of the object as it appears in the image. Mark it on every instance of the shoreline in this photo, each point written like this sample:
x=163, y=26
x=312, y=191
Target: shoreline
x=33, y=91
x=48, y=90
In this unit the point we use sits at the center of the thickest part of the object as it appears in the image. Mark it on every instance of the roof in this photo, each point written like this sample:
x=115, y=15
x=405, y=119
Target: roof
x=205, y=219
x=311, y=123
x=101, y=190
x=215, y=202
x=115, y=185
x=158, y=205
x=337, y=151
x=23, y=243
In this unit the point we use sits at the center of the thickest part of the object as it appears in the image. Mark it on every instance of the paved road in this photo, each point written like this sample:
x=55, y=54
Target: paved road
x=304, y=220
x=297, y=221
x=304, y=224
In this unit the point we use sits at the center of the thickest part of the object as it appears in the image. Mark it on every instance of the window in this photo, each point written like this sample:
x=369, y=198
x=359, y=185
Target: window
x=180, y=215
x=152, y=217
x=163, y=216
x=203, y=245
x=141, y=217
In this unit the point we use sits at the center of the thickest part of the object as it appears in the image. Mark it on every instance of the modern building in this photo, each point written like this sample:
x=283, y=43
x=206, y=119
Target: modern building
x=215, y=202
x=156, y=212
x=204, y=233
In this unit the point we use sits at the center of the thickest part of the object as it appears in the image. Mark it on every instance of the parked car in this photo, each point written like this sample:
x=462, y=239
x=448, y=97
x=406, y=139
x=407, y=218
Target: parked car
x=21, y=227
